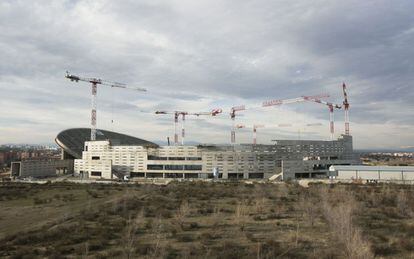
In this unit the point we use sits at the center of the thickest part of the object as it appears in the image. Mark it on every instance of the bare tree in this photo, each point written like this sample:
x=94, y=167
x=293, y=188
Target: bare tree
x=86, y=251
x=340, y=219
x=182, y=213
x=309, y=207
x=240, y=214
x=130, y=236
x=402, y=204
x=158, y=250
x=260, y=205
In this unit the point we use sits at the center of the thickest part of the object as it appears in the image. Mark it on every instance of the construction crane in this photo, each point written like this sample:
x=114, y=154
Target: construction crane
x=95, y=82
x=233, y=111
x=331, y=107
x=183, y=114
x=293, y=100
x=269, y=103
x=276, y=102
x=256, y=126
x=346, y=108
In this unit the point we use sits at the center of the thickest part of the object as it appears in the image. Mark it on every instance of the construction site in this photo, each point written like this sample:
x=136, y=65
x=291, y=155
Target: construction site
x=109, y=155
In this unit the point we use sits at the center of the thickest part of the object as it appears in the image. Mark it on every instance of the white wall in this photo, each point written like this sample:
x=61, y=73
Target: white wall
x=391, y=175
x=346, y=175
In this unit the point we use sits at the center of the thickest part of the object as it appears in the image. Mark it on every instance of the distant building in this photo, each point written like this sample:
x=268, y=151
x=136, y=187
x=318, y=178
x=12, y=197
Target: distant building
x=41, y=168
x=375, y=173
x=3, y=158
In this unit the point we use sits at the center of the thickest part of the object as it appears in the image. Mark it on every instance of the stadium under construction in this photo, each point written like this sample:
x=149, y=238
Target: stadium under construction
x=114, y=156
x=288, y=158
x=99, y=154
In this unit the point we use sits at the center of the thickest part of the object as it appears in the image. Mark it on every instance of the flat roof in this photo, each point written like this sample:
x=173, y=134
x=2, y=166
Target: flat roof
x=370, y=168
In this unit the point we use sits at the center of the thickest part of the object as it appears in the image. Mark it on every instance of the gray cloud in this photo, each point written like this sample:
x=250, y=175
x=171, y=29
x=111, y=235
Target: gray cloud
x=197, y=55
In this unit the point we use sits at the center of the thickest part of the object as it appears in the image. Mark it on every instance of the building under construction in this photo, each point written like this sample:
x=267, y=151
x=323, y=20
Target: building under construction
x=116, y=155
x=110, y=155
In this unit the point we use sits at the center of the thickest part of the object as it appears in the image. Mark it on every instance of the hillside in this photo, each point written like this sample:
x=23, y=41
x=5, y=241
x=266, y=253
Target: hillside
x=206, y=220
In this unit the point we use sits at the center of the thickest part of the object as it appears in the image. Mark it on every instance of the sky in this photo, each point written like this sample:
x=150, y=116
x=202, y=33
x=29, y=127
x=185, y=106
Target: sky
x=199, y=55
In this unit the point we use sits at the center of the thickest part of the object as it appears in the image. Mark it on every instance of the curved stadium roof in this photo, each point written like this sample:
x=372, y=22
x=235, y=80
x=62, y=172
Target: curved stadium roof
x=72, y=140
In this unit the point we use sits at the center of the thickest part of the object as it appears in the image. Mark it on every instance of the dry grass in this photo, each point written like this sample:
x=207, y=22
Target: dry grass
x=208, y=220
x=340, y=219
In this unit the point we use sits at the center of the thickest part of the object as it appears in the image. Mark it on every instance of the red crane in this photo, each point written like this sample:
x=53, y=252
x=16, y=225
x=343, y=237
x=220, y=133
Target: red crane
x=183, y=114
x=331, y=107
x=255, y=127
x=346, y=108
x=274, y=102
x=95, y=82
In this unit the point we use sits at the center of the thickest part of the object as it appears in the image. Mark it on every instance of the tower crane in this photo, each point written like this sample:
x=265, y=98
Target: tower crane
x=346, y=108
x=255, y=127
x=276, y=102
x=95, y=82
x=293, y=100
x=233, y=111
x=269, y=103
x=331, y=107
x=183, y=114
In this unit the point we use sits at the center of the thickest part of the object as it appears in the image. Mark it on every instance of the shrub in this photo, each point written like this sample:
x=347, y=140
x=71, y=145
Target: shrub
x=184, y=237
x=182, y=213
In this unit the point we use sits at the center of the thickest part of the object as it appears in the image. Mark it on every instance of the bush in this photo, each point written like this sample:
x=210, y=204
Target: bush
x=184, y=237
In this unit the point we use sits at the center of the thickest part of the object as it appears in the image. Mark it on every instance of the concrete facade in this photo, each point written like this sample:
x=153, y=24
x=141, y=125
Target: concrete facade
x=295, y=158
x=41, y=168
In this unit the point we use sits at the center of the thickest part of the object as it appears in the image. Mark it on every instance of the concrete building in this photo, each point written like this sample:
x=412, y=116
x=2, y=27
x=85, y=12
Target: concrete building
x=293, y=158
x=41, y=168
x=374, y=173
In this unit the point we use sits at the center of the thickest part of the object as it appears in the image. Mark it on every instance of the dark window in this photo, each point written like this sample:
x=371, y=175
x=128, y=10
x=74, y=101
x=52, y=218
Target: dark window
x=156, y=158
x=176, y=158
x=193, y=158
x=96, y=158
x=95, y=173
x=210, y=176
x=256, y=176
x=301, y=175
x=235, y=176
x=173, y=175
x=155, y=167
x=192, y=167
x=174, y=167
x=154, y=175
x=191, y=175
x=137, y=174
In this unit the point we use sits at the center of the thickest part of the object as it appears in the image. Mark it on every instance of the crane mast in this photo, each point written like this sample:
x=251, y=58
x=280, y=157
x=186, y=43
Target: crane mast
x=255, y=132
x=233, y=111
x=331, y=107
x=95, y=82
x=183, y=115
x=346, y=108
x=268, y=103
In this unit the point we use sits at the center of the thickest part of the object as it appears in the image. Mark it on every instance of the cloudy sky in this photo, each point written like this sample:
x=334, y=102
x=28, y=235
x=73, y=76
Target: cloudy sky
x=205, y=54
